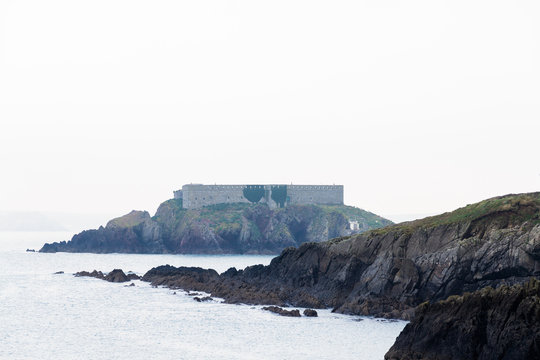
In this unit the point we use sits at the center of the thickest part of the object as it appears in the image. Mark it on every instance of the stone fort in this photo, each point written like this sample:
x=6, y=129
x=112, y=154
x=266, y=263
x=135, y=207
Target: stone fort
x=195, y=196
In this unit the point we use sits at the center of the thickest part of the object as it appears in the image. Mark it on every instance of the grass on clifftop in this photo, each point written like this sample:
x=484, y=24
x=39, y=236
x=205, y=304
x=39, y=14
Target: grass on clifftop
x=524, y=207
x=129, y=220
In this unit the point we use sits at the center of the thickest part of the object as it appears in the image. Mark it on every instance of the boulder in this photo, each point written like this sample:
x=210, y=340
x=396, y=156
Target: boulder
x=310, y=313
x=117, y=276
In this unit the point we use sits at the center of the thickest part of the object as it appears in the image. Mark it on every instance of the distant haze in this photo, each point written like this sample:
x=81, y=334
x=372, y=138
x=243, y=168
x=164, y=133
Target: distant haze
x=416, y=107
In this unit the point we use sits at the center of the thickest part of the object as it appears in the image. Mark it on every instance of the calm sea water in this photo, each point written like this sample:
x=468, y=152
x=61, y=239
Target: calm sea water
x=48, y=316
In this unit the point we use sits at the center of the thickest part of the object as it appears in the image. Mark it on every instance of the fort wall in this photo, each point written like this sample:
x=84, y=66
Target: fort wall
x=197, y=195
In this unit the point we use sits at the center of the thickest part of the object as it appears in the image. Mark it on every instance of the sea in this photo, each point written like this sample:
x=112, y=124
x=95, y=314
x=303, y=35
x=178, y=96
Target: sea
x=44, y=315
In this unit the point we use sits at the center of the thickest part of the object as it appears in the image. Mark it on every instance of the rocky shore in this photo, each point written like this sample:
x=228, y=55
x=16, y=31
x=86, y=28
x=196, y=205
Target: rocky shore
x=388, y=272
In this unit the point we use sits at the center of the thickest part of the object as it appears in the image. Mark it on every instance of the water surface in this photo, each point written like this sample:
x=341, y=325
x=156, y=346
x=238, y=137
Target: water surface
x=59, y=316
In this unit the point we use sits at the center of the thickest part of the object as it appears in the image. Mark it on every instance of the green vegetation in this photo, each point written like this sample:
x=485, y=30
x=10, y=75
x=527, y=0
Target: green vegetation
x=253, y=193
x=229, y=218
x=279, y=194
x=517, y=208
x=129, y=220
x=223, y=217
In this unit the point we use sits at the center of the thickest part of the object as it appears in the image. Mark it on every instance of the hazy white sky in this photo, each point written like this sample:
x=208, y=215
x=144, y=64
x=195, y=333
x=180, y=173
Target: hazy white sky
x=415, y=106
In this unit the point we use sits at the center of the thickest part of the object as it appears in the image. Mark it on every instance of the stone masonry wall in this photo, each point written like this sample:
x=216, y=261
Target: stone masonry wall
x=197, y=195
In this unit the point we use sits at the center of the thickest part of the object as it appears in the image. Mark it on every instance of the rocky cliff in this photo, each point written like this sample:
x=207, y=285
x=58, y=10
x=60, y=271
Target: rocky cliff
x=487, y=324
x=389, y=271
x=219, y=229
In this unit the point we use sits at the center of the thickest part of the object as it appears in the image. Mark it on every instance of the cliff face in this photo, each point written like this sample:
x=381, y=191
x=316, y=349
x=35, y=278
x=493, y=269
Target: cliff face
x=218, y=229
x=388, y=272
x=487, y=324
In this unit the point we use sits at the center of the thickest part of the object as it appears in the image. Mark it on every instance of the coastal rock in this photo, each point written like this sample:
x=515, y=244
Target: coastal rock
x=133, y=276
x=219, y=229
x=388, y=272
x=95, y=274
x=202, y=299
x=310, y=313
x=117, y=275
x=282, y=312
x=487, y=324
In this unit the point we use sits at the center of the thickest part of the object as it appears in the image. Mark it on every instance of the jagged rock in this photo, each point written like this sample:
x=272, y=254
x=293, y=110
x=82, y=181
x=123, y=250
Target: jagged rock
x=58, y=272
x=310, y=313
x=117, y=275
x=487, y=324
x=95, y=274
x=282, y=312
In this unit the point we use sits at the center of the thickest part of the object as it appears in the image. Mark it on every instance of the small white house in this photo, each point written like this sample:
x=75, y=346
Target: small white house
x=354, y=225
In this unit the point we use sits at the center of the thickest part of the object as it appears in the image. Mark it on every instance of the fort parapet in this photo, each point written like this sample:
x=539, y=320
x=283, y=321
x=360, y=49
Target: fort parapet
x=195, y=196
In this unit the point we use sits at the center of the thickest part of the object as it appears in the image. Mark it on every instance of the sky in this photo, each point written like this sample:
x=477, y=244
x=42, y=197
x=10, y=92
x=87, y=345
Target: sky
x=416, y=107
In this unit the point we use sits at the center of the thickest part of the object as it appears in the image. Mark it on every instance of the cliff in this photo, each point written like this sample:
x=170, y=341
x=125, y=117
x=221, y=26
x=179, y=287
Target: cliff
x=219, y=229
x=389, y=271
x=487, y=324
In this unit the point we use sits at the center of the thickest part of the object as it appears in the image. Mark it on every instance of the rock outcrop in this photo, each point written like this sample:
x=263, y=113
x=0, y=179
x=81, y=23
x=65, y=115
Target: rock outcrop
x=388, y=272
x=310, y=313
x=117, y=275
x=487, y=324
x=282, y=312
x=219, y=229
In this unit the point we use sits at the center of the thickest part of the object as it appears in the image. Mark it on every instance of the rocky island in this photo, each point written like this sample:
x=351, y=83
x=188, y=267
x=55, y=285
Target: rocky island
x=228, y=228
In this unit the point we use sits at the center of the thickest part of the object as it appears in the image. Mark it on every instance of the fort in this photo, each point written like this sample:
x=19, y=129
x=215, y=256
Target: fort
x=195, y=196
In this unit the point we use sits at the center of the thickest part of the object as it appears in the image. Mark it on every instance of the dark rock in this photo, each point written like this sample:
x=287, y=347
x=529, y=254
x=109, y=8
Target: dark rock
x=205, y=298
x=282, y=312
x=130, y=285
x=132, y=276
x=310, y=313
x=117, y=276
x=30, y=250
x=58, y=272
x=95, y=274
x=487, y=324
